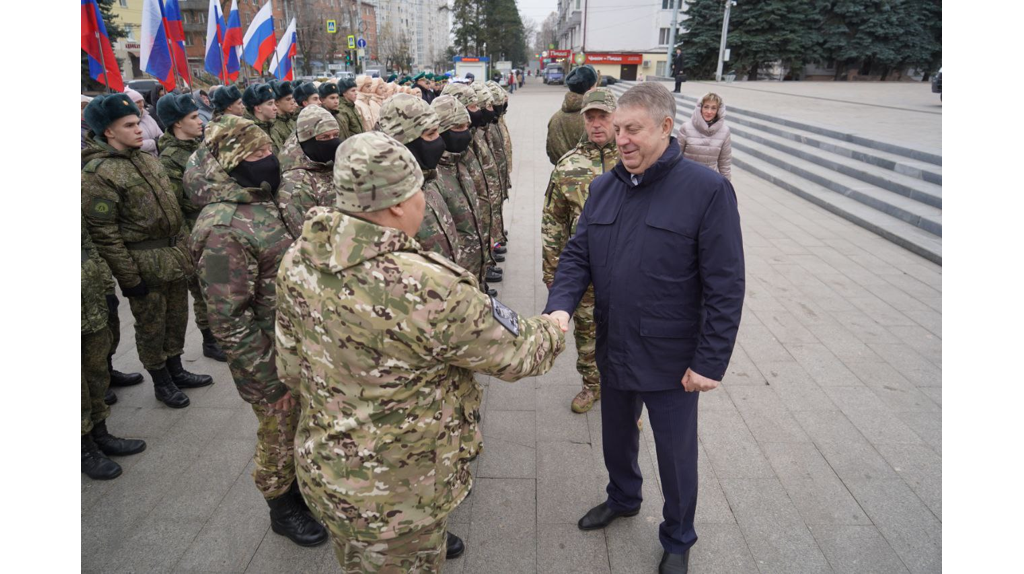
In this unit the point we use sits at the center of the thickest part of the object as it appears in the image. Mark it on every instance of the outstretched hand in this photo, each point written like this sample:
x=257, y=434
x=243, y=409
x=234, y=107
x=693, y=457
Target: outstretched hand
x=560, y=317
x=693, y=382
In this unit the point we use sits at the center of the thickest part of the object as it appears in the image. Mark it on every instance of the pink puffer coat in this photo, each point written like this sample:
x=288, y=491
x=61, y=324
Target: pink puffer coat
x=710, y=146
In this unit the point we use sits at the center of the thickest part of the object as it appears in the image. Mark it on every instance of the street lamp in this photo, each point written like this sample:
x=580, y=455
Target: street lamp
x=725, y=33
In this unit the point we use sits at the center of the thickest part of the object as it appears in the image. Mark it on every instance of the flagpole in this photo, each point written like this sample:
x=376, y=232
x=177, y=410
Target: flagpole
x=174, y=62
x=103, y=62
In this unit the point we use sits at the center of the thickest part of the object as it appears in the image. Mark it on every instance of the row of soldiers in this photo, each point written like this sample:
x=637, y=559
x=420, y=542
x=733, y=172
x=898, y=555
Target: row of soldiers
x=217, y=213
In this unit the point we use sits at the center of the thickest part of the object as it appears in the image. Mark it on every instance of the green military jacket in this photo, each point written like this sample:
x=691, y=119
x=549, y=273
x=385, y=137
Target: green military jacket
x=437, y=232
x=265, y=126
x=133, y=215
x=281, y=129
x=304, y=184
x=493, y=182
x=567, y=192
x=174, y=154
x=378, y=340
x=96, y=283
x=237, y=244
x=348, y=118
x=457, y=188
x=565, y=129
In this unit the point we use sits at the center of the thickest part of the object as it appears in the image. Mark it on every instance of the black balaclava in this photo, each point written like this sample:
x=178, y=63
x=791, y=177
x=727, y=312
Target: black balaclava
x=427, y=153
x=457, y=142
x=477, y=118
x=256, y=173
x=488, y=115
x=320, y=151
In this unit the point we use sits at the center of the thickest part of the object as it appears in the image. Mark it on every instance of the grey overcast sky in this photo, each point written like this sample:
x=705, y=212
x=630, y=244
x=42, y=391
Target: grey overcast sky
x=537, y=10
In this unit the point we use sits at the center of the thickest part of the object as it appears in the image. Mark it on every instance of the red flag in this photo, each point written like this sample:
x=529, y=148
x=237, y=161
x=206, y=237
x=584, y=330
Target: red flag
x=96, y=44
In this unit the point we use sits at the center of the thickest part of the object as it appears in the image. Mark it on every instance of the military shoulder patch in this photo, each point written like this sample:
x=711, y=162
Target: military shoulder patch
x=507, y=317
x=217, y=268
x=102, y=208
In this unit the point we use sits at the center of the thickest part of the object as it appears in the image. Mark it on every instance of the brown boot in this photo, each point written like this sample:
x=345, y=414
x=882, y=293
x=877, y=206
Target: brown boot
x=585, y=400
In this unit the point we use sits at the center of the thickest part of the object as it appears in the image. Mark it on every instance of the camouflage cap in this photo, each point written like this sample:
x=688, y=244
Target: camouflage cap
x=373, y=171
x=483, y=94
x=462, y=92
x=233, y=139
x=450, y=112
x=599, y=99
x=497, y=93
x=313, y=121
x=406, y=118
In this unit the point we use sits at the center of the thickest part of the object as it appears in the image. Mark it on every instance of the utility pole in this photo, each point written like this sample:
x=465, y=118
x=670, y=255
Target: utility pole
x=672, y=39
x=725, y=33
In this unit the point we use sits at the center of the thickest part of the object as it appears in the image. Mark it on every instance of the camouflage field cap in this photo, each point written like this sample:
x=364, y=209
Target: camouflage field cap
x=599, y=99
x=483, y=94
x=313, y=121
x=405, y=117
x=497, y=93
x=373, y=171
x=233, y=139
x=465, y=94
x=450, y=112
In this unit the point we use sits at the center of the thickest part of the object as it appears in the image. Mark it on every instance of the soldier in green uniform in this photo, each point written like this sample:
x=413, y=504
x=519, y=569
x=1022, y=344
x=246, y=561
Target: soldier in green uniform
x=347, y=115
x=136, y=224
x=567, y=192
x=565, y=129
x=238, y=243
x=184, y=134
x=456, y=183
x=261, y=108
x=307, y=166
x=412, y=122
x=378, y=340
x=97, y=442
x=227, y=100
x=330, y=99
x=306, y=95
x=287, y=112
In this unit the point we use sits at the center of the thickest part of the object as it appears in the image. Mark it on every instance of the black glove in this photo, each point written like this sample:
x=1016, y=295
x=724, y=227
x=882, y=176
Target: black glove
x=139, y=290
x=112, y=304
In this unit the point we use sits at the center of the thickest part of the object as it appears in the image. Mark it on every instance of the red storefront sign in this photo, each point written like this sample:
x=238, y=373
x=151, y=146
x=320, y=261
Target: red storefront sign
x=559, y=53
x=625, y=59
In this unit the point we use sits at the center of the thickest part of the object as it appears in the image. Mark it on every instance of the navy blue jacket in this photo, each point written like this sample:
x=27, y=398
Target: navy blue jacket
x=666, y=261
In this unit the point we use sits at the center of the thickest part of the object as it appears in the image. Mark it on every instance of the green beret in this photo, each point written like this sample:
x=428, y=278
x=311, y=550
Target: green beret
x=283, y=90
x=581, y=79
x=225, y=96
x=327, y=89
x=377, y=172
x=104, y=109
x=173, y=107
x=419, y=76
x=392, y=78
x=233, y=139
x=257, y=94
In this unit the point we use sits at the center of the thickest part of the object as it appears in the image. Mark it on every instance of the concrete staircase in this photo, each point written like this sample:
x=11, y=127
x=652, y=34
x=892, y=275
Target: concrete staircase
x=891, y=190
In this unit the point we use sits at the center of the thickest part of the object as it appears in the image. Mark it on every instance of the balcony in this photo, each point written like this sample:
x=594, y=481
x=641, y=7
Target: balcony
x=569, y=23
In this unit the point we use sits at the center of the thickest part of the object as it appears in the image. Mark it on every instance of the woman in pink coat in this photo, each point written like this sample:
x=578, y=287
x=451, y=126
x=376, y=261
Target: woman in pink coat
x=705, y=139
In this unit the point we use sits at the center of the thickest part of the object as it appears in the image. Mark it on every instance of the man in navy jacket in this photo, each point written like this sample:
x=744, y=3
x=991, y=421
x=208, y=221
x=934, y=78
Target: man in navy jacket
x=659, y=237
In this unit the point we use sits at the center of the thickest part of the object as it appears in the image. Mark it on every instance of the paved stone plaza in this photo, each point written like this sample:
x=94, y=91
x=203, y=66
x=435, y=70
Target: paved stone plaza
x=820, y=452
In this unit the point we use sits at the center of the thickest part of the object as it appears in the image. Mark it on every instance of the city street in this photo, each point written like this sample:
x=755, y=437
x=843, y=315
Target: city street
x=820, y=452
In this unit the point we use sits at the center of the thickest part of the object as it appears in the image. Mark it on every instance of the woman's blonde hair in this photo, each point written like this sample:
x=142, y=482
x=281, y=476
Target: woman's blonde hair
x=713, y=97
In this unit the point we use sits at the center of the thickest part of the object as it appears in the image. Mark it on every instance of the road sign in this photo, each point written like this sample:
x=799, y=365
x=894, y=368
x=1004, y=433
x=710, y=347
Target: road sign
x=361, y=53
x=580, y=58
x=351, y=42
x=361, y=43
x=332, y=26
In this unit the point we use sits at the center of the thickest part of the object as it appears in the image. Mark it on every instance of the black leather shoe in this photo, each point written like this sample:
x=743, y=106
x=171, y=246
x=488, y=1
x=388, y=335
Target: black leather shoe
x=455, y=547
x=288, y=519
x=499, y=258
x=184, y=379
x=109, y=398
x=492, y=292
x=674, y=563
x=497, y=269
x=94, y=464
x=601, y=516
x=119, y=379
x=110, y=445
x=493, y=277
x=501, y=249
x=210, y=348
x=166, y=391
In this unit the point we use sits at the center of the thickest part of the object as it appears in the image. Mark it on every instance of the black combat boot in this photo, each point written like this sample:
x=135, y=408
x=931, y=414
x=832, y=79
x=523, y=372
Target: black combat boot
x=110, y=445
x=110, y=398
x=288, y=519
x=210, y=348
x=454, y=547
x=94, y=464
x=501, y=249
x=184, y=379
x=119, y=379
x=294, y=491
x=498, y=258
x=492, y=276
x=166, y=391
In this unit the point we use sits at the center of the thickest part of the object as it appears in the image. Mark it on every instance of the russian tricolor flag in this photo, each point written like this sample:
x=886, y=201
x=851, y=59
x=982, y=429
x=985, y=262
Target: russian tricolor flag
x=154, y=56
x=214, y=62
x=232, y=41
x=258, y=43
x=281, y=66
x=176, y=34
x=96, y=45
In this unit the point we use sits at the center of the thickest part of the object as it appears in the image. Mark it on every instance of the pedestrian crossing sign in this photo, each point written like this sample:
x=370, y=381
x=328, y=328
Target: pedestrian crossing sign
x=351, y=42
x=332, y=26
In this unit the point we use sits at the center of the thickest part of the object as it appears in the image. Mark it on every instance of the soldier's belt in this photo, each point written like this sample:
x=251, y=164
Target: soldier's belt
x=152, y=244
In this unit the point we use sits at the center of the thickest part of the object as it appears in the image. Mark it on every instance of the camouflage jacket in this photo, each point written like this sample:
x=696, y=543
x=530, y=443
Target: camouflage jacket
x=476, y=173
x=282, y=127
x=493, y=182
x=565, y=129
x=348, y=118
x=459, y=194
x=266, y=127
x=497, y=143
x=96, y=283
x=379, y=340
x=174, y=154
x=127, y=200
x=507, y=138
x=567, y=191
x=437, y=232
x=304, y=184
x=238, y=243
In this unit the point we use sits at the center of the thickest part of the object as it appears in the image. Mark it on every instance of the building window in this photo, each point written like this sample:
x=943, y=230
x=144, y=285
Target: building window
x=124, y=3
x=577, y=4
x=659, y=69
x=668, y=4
x=663, y=36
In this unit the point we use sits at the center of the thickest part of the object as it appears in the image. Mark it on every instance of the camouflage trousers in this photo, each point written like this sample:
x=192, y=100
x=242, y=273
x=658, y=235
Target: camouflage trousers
x=95, y=378
x=275, y=450
x=161, y=318
x=198, y=303
x=114, y=326
x=420, y=552
x=585, y=332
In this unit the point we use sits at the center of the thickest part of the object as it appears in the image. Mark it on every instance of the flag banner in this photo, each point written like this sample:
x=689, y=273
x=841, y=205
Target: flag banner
x=96, y=45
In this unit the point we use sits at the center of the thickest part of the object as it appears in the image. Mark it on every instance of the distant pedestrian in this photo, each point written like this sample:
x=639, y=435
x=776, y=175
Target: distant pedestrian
x=512, y=82
x=705, y=139
x=204, y=105
x=677, y=69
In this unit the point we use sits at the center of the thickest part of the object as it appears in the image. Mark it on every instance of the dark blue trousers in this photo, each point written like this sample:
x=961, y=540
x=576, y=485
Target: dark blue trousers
x=673, y=416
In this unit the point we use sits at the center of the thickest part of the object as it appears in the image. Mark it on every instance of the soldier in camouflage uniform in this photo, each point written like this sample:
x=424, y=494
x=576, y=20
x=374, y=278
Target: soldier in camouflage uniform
x=456, y=183
x=287, y=113
x=184, y=133
x=484, y=152
x=307, y=166
x=261, y=108
x=346, y=114
x=136, y=224
x=330, y=99
x=563, y=203
x=97, y=442
x=565, y=129
x=412, y=122
x=505, y=133
x=238, y=243
x=379, y=339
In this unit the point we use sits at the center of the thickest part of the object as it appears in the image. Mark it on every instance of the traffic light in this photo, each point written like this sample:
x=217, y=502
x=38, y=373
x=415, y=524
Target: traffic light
x=348, y=57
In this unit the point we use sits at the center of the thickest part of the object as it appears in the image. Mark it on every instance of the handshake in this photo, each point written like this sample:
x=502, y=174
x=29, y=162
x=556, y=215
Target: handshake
x=560, y=318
